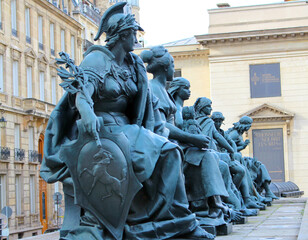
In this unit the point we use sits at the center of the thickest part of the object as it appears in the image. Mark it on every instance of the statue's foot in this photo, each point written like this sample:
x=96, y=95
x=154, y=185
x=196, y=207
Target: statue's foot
x=249, y=212
x=198, y=233
x=251, y=204
x=265, y=200
x=235, y=215
x=271, y=195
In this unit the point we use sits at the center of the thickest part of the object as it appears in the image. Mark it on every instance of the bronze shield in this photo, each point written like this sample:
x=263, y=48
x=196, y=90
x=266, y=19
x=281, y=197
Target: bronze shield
x=104, y=181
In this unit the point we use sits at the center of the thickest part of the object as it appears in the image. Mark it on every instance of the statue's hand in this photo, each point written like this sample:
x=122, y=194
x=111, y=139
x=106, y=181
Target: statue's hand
x=247, y=141
x=91, y=123
x=200, y=141
x=232, y=157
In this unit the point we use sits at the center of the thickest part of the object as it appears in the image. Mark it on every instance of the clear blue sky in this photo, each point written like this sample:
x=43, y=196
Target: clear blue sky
x=170, y=20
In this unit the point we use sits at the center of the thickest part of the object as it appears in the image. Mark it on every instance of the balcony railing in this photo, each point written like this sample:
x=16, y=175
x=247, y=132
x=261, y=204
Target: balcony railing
x=33, y=156
x=90, y=12
x=28, y=39
x=40, y=158
x=14, y=32
x=4, y=153
x=41, y=46
x=19, y=154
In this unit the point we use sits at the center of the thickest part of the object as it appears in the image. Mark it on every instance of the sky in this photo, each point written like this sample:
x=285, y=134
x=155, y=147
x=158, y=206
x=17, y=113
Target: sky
x=170, y=20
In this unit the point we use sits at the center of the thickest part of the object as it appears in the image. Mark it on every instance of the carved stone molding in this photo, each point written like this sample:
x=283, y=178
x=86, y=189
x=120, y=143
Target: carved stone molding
x=30, y=56
x=15, y=53
x=43, y=61
x=267, y=113
x=2, y=48
x=53, y=68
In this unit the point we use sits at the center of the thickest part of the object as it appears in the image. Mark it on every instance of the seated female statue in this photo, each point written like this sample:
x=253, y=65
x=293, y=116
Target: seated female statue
x=200, y=164
x=113, y=101
x=263, y=179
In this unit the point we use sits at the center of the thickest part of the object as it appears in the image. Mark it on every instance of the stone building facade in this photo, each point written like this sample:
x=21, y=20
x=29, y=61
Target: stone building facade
x=256, y=65
x=32, y=33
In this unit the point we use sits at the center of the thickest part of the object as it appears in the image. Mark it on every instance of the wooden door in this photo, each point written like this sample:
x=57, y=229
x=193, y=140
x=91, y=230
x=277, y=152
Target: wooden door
x=43, y=193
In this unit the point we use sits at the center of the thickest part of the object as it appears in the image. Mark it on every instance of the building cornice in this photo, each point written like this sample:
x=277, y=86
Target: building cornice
x=267, y=113
x=58, y=12
x=249, y=36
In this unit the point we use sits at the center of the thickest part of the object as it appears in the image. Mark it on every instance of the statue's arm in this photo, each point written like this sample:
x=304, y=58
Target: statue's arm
x=222, y=141
x=198, y=140
x=88, y=117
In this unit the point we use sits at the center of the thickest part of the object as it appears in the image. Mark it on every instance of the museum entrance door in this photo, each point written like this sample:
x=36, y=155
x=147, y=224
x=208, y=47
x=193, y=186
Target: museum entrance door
x=268, y=149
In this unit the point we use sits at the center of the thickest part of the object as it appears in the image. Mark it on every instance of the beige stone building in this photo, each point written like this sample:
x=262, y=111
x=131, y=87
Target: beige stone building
x=32, y=32
x=256, y=65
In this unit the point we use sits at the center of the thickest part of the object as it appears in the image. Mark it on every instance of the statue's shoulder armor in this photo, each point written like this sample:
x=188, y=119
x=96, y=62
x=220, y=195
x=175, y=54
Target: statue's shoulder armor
x=97, y=58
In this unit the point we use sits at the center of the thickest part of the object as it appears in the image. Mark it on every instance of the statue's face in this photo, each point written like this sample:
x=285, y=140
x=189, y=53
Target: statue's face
x=248, y=126
x=207, y=109
x=170, y=70
x=218, y=123
x=130, y=41
x=184, y=92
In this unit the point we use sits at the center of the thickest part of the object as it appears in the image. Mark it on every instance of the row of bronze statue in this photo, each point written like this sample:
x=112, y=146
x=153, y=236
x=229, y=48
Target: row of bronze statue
x=134, y=162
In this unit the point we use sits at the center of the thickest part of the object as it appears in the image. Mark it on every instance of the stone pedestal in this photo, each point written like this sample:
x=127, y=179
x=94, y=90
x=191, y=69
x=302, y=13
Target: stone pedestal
x=224, y=229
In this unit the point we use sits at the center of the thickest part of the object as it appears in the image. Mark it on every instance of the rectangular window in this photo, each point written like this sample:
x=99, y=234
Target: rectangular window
x=0, y=14
x=32, y=194
x=52, y=39
x=72, y=47
x=18, y=194
x=29, y=82
x=31, y=138
x=42, y=86
x=14, y=18
x=27, y=19
x=15, y=79
x=40, y=32
x=62, y=40
x=265, y=80
x=17, y=136
x=177, y=73
x=53, y=90
x=1, y=73
x=2, y=191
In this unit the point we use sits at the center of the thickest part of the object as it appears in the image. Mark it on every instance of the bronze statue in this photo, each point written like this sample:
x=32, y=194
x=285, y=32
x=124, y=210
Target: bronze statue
x=197, y=158
x=106, y=142
x=262, y=179
x=203, y=108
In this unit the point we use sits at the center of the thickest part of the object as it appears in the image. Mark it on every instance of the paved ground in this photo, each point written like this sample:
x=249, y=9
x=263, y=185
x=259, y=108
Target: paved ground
x=286, y=219
x=281, y=221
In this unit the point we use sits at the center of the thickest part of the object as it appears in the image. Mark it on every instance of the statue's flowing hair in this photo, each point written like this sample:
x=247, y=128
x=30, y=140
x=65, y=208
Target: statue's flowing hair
x=200, y=103
x=156, y=58
x=176, y=84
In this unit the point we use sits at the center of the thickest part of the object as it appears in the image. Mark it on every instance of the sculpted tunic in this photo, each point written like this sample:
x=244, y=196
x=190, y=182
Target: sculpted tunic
x=202, y=175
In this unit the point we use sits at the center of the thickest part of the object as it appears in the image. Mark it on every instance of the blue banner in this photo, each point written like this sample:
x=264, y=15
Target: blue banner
x=265, y=80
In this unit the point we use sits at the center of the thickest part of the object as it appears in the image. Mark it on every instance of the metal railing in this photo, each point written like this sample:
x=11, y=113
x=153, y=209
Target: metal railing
x=28, y=39
x=41, y=46
x=5, y=153
x=90, y=12
x=33, y=156
x=14, y=32
x=19, y=154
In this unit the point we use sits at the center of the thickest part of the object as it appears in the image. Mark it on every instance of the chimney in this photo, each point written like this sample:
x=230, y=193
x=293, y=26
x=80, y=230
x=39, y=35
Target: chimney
x=223, y=5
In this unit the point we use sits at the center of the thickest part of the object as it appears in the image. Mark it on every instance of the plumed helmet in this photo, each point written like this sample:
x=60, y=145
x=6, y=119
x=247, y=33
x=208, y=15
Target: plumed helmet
x=115, y=21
